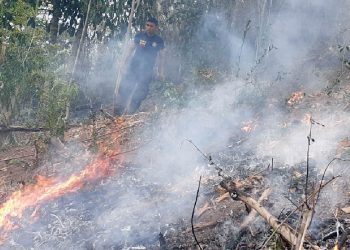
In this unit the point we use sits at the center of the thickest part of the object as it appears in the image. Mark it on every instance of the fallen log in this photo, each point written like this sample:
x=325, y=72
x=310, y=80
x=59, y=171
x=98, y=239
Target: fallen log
x=283, y=229
x=250, y=217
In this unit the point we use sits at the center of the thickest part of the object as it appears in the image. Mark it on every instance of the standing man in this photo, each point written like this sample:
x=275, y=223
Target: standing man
x=135, y=83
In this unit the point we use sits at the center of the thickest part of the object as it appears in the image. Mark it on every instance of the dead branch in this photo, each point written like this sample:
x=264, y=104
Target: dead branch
x=194, y=207
x=19, y=157
x=343, y=239
x=305, y=223
x=4, y=129
x=107, y=115
x=282, y=229
x=298, y=208
x=113, y=131
x=208, y=158
x=199, y=212
x=250, y=217
x=7, y=129
x=247, y=28
x=309, y=139
x=324, y=174
x=129, y=151
x=285, y=230
x=125, y=51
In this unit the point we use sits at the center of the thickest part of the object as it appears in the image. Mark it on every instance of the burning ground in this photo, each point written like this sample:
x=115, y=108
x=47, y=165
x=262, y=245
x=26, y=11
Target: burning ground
x=254, y=138
x=119, y=184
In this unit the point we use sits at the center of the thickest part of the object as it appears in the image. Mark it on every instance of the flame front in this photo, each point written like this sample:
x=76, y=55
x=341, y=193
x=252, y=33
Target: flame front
x=45, y=189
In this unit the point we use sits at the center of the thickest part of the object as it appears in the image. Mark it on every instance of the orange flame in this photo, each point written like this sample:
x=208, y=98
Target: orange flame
x=307, y=119
x=49, y=188
x=296, y=97
x=248, y=126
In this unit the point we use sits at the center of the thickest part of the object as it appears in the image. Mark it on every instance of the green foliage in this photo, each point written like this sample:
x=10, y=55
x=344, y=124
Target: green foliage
x=32, y=73
x=52, y=104
x=169, y=94
x=15, y=14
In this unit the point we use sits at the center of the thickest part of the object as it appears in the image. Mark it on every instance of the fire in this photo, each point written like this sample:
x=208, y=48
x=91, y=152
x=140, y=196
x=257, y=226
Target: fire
x=296, y=98
x=49, y=188
x=307, y=119
x=248, y=126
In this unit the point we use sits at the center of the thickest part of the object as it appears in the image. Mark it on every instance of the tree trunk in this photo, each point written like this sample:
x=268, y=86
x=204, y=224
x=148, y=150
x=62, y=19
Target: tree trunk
x=54, y=21
x=2, y=53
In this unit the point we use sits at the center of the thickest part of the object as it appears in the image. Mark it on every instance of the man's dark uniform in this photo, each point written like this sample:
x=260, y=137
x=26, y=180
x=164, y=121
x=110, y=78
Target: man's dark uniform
x=135, y=84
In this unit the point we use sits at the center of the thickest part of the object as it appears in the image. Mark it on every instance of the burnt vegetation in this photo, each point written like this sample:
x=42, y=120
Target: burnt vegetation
x=243, y=143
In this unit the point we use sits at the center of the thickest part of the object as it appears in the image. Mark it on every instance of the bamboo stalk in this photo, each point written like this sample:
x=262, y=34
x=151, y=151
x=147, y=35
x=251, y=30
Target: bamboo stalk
x=125, y=51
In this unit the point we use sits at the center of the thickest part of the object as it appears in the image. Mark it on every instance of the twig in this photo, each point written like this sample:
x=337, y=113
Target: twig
x=200, y=151
x=305, y=223
x=59, y=220
x=292, y=202
x=128, y=151
x=134, y=6
x=209, y=159
x=286, y=231
x=77, y=57
x=111, y=132
x=340, y=244
x=194, y=207
x=323, y=176
x=296, y=209
x=107, y=115
x=4, y=129
x=249, y=218
x=309, y=139
x=15, y=158
x=259, y=60
x=324, y=173
x=247, y=27
x=272, y=164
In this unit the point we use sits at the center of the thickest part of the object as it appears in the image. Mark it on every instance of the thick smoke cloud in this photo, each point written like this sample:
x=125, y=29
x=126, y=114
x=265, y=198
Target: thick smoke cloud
x=304, y=34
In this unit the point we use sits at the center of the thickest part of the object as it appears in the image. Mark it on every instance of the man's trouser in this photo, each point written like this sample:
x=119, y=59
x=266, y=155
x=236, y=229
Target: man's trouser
x=132, y=91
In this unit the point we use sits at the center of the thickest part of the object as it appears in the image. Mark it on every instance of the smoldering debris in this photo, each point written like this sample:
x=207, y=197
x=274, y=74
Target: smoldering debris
x=242, y=126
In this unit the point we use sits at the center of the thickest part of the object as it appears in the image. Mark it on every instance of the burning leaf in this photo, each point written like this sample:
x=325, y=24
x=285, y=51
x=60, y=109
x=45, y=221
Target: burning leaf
x=307, y=119
x=296, y=98
x=248, y=126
